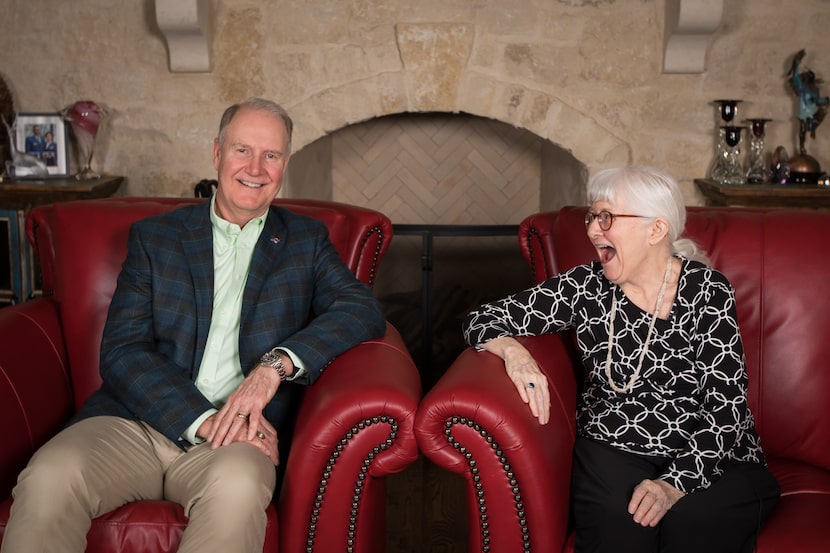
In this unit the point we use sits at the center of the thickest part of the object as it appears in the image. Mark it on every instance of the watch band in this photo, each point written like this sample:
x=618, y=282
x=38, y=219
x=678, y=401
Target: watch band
x=273, y=359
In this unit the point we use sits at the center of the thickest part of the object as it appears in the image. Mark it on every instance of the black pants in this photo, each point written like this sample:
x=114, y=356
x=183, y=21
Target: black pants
x=723, y=518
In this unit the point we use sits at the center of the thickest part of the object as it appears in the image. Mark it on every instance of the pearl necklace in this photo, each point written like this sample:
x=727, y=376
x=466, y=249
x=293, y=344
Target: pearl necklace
x=636, y=374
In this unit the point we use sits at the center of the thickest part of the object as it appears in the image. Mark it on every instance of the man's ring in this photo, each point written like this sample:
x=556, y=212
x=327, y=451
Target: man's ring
x=531, y=385
x=261, y=435
x=242, y=415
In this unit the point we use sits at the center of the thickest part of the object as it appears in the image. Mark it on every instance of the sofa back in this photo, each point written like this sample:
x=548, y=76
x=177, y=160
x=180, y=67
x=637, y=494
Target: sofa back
x=82, y=244
x=776, y=260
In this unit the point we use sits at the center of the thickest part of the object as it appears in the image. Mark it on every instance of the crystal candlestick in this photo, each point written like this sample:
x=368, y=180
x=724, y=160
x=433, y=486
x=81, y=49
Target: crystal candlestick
x=721, y=168
x=757, y=170
x=727, y=109
x=733, y=173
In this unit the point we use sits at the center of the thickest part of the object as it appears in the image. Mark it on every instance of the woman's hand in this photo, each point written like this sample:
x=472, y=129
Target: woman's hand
x=525, y=374
x=651, y=500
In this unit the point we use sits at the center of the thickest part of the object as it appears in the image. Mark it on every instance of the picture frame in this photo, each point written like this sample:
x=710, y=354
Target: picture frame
x=45, y=136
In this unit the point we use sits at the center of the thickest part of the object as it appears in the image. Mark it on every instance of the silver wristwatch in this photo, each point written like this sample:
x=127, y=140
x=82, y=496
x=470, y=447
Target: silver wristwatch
x=274, y=360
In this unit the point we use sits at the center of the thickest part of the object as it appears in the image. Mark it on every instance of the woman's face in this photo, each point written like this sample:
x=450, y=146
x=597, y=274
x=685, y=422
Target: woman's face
x=623, y=247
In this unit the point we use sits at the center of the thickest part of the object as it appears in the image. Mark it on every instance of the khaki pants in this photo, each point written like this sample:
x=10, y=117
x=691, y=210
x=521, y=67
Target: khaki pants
x=101, y=463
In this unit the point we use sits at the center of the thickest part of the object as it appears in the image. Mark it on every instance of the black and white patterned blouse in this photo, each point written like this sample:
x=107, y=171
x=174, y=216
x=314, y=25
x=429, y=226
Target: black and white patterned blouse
x=689, y=403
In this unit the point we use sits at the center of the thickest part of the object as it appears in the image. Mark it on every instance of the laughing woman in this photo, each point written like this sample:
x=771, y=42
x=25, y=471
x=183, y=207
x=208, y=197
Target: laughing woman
x=667, y=457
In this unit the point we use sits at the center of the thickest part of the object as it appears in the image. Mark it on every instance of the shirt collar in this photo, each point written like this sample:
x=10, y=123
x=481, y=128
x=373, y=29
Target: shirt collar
x=229, y=229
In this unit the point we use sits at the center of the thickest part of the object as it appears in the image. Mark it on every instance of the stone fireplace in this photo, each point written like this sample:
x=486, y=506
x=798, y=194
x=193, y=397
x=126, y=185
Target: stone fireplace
x=455, y=171
x=448, y=133
x=470, y=180
x=440, y=140
x=440, y=71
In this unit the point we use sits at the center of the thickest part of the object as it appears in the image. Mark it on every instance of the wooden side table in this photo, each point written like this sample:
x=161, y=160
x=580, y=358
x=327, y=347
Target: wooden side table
x=764, y=195
x=18, y=267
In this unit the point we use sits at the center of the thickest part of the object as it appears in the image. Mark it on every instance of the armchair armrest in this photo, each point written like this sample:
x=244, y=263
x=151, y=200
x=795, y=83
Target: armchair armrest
x=354, y=427
x=474, y=423
x=35, y=391
x=536, y=244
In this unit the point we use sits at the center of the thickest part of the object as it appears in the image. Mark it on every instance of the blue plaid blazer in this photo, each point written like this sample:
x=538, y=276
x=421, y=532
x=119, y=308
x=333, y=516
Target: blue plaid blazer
x=299, y=295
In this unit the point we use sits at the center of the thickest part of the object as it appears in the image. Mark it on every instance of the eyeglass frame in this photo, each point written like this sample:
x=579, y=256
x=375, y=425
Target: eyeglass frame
x=590, y=216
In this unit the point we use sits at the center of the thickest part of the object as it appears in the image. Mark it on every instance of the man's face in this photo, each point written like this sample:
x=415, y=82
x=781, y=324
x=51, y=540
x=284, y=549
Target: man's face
x=250, y=164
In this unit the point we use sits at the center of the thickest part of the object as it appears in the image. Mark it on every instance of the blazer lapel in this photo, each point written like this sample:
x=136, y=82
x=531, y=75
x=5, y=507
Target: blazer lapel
x=269, y=246
x=197, y=243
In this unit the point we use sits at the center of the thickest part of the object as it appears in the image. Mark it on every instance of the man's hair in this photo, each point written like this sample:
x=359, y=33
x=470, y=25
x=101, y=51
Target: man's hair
x=261, y=105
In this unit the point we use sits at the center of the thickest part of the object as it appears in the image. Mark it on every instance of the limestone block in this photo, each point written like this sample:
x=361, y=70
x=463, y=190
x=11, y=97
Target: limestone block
x=434, y=57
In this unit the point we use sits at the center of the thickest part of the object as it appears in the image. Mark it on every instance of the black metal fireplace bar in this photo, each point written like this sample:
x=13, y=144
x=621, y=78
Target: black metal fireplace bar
x=428, y=233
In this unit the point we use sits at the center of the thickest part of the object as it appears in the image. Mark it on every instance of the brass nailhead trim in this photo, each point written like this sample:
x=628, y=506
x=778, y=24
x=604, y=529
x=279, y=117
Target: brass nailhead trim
x=483, y=519
x=376, y=256
x=361, y=479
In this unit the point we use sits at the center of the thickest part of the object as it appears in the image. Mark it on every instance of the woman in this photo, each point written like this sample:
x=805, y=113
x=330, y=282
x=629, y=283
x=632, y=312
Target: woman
x=667, y=457
x=50, y=150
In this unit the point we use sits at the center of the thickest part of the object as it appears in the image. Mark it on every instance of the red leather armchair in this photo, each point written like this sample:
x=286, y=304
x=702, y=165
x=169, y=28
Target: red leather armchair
x=518, y=472
x=355, y=425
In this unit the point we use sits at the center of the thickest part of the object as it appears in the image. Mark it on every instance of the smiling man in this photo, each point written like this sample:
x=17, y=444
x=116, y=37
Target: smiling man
x=222, y=312
x=250, y=156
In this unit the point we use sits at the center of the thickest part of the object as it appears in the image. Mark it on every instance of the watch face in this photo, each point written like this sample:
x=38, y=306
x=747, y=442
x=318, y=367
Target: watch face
x=270, y=358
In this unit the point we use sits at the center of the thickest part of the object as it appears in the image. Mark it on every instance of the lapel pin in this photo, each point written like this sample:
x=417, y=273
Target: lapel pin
x=275, y=240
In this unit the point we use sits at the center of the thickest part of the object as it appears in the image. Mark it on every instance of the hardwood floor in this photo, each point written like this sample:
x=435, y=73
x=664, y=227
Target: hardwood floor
x=426, y=511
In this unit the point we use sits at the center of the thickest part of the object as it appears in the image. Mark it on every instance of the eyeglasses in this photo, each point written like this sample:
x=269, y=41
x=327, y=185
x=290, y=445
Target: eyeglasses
x=605, y=218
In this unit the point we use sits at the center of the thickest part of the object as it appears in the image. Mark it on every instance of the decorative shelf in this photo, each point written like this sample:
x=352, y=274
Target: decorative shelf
x=764, y=195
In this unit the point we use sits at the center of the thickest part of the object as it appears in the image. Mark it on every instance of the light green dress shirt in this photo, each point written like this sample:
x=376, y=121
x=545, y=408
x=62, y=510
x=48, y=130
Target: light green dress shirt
x=220, y=372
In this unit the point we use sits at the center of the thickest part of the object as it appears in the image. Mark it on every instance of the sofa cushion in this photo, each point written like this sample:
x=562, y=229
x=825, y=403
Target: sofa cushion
x=144, y=526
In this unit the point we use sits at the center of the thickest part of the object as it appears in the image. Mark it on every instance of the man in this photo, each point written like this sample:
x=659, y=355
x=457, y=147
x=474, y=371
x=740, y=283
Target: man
x=217, y=305
x=35, y=142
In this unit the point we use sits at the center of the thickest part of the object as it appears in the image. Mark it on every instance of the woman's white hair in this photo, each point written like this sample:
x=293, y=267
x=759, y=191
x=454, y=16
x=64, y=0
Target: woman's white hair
x=651, y=193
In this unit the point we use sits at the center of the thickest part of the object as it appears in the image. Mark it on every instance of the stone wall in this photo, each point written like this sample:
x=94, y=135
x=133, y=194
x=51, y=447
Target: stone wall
x=583, y=74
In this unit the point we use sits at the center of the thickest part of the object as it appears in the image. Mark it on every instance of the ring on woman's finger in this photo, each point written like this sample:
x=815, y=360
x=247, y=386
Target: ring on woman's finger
x=531, y=385
x=261, y=435
x=242, y=415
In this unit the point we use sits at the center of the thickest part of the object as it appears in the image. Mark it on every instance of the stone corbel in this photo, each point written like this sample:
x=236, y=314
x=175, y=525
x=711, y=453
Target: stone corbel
x=184, y=24
x=689, y=27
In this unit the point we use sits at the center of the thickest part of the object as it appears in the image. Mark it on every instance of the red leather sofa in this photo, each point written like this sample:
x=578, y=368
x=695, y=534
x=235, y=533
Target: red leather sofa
x=355, y=424
x=517, y=471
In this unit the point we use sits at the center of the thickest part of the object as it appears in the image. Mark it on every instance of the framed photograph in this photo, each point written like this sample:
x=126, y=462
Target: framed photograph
x=44, y=136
